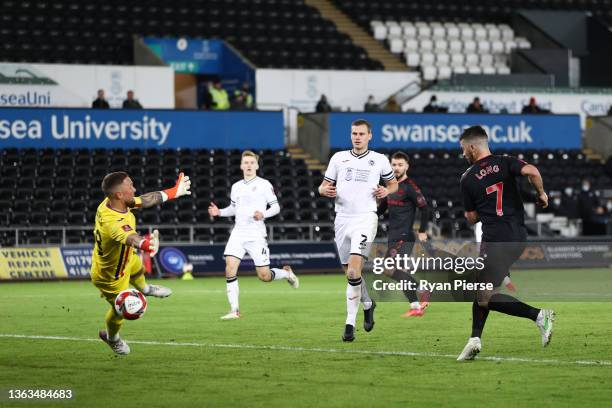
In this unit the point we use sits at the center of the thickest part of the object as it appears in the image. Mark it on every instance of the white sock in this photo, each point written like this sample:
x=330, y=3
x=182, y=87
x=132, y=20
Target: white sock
x=278, y=273
x=145, y=290
x=415, y=305
x=366, y=300
x=353, y=297
x=232, y=293
x=114, y=338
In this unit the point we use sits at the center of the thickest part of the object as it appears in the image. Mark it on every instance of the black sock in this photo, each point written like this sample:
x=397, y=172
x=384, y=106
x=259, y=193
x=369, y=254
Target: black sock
x=512, y=306
x=479, y=318
x=400, y=276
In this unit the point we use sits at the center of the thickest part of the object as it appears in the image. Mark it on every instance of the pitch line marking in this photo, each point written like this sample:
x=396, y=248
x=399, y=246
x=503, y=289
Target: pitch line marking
x=321, y=350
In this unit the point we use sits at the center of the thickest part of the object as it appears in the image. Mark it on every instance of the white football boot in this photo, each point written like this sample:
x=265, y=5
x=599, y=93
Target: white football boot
x=292, y=278
x=119, y=347
x=545, y=321
x=231, y=315
x=471, y=349
x=158, y=291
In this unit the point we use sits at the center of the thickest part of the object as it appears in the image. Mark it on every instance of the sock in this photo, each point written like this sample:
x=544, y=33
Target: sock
x=366, y=300
x=415, y=305
x=138, y=281
x=113, y=324
x=233, y=292
x=353, y=297
x=400, y=276
x=479, y=318
x=512, y=306
x=278, y=274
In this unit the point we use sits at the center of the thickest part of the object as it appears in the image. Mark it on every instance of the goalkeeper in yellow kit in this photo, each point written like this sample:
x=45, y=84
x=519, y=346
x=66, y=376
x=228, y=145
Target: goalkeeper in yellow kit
x=115, y=264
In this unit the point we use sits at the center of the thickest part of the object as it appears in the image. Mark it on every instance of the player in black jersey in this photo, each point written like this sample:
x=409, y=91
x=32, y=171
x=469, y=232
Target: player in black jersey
x=491, y=195
x=402, y=206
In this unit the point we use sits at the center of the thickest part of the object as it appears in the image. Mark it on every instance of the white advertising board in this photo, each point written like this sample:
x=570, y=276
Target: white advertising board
x=346, y=90
x=584, y=104
x=75, y=86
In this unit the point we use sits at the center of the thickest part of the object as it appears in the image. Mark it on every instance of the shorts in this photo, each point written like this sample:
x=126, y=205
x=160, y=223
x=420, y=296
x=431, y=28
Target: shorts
x=109, y=287
x=399, y=247
x=498, y=258
x=237, y=246
x=354, y=235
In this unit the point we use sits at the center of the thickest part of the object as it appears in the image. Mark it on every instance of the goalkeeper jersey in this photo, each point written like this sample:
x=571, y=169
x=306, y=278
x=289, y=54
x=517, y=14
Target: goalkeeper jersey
x=111, y=254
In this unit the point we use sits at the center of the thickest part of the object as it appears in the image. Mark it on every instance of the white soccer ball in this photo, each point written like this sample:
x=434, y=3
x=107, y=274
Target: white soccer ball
x=131, y=304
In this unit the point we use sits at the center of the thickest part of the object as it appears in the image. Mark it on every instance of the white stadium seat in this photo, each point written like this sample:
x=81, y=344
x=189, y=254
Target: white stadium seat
x=444, y=72
x=396, y=45
x=427, y=59
x=429, y=73
x=486, y=60
x=474, y=70
x=507, y=32
x=523, y=42
x=395, y=30
x=457, y=60
x=410, y=31
x=480, y=33
x=424, y=32
x=441, y=45
x=493, y=32
x=380, y=31
x=426, y=44
x=503, y=70
x=497, y=47
x=442, y=59
x=488, y=70
x=413, y=59
x=469, y=46
x=471, y=60
x=438, y=32
x=411, y=44
x=484, y=46
x=500, y=59
x=460, y=70
x=455, y=46
x=452, y=32
x=467, y=32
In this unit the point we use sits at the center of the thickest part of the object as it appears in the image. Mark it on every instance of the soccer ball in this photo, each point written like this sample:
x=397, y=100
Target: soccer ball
x=131, y=304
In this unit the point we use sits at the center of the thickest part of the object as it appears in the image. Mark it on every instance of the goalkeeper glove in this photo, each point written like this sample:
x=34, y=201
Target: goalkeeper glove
x=150, y=243
x=181, y=188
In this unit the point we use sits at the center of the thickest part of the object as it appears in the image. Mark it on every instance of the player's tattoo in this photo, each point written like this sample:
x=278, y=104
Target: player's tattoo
x=133, y=240
x=151, y=199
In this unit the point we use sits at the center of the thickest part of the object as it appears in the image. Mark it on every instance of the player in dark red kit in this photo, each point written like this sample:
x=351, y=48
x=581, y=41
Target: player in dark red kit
x=491, y=195
x=402, y=206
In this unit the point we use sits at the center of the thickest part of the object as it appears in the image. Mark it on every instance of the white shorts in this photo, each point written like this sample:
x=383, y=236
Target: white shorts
x=237, y=246
x=354, y=235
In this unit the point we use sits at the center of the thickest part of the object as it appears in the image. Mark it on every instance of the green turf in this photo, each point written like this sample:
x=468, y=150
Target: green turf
x=312, y=318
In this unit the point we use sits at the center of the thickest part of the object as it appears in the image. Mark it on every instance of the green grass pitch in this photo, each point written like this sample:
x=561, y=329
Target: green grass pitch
x=287, y=351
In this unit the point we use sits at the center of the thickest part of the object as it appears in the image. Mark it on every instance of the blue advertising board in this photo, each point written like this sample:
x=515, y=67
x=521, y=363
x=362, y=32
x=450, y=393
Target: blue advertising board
x=208, y=259
x=413, y=131
x=127, y=129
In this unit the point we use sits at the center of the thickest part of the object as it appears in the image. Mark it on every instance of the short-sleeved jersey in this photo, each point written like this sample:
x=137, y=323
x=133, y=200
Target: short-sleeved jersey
x=111, y=254
x=356, y=178
x=402, y=207
x=490, y=188
x=247, y=197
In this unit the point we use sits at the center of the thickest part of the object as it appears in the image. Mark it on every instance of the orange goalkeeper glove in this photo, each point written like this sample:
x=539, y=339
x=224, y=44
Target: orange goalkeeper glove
x=150, y=243
x=181, y=188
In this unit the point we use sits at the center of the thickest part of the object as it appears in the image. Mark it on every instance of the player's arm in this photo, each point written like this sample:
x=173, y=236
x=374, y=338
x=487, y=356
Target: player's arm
x=124, y=234
x=391, y=187
x=470, y=213
x=382, y=207
x=228, y=211
x=535, y=178
x=328, y=186
x=272, y=203
x=181, y=188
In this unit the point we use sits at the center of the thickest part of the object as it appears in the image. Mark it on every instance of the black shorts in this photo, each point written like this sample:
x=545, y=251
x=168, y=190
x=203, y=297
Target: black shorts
x=399, y=247
x=498, y=258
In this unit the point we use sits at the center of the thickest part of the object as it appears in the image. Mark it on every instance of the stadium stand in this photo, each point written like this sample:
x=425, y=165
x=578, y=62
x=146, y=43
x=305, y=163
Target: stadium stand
x=61, y=188
x=270, y=33
x=446, y=37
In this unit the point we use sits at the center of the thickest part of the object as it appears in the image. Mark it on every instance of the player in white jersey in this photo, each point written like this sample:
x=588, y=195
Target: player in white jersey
x=249, y=199
x=352, y=179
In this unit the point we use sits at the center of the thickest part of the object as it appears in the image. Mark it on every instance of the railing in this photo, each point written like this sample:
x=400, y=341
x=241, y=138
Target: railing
x=309, y=231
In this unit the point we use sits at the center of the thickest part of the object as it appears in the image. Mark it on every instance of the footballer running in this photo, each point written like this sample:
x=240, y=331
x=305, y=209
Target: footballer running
x=491, y=195
x=115, y=264
x=252, y=201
